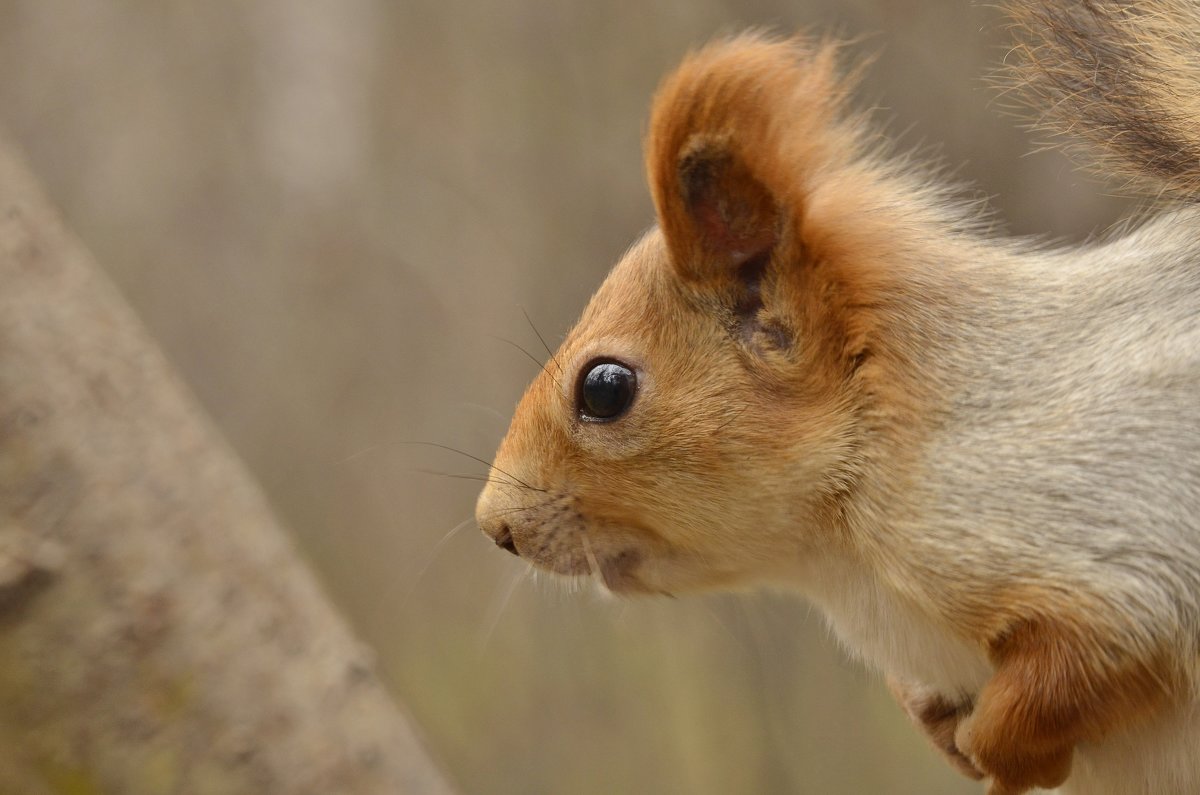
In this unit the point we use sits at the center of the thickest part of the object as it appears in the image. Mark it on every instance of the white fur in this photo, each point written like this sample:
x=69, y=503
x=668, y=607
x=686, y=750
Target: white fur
x=890, y=633
x=1159, y=758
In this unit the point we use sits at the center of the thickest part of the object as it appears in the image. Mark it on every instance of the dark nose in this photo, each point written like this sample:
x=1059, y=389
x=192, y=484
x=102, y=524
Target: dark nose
x=491, y=508
x=504, y=540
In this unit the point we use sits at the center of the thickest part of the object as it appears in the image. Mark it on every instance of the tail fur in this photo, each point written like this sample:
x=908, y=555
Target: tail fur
x=1124, y=77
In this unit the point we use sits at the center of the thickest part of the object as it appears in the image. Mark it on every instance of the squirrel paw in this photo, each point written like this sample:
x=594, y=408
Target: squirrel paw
x=938, y=718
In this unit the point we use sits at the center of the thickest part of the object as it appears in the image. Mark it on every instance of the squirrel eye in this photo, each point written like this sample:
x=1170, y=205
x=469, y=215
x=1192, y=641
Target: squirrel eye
x=606, y=391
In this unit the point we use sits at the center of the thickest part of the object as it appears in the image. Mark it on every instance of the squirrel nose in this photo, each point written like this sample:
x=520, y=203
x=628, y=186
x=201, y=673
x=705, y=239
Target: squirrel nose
x=504, y=540
x=494, y=528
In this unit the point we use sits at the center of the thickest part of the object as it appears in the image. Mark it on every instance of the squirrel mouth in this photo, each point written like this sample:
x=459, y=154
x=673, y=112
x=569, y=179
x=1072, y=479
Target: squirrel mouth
x=615, y=571
x=612, y=562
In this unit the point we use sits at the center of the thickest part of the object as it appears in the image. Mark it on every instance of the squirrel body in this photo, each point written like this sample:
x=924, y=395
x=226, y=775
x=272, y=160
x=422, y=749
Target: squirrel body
x=980, y=457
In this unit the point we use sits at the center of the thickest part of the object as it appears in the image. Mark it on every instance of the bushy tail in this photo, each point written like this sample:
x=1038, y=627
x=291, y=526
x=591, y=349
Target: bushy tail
x=1121, y=79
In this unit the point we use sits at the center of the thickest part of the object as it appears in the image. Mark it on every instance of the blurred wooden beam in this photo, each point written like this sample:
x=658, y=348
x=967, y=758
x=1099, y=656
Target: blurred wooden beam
x=158, y=632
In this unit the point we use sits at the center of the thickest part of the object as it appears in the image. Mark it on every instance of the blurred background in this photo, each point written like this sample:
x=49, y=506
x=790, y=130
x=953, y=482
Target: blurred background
x=332, y=215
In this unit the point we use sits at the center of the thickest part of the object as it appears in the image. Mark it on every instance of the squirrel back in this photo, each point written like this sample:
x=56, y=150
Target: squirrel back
x=980, y=457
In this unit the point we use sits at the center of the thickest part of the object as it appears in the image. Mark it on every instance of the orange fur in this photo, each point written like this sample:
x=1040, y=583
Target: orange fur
x=1053, y=689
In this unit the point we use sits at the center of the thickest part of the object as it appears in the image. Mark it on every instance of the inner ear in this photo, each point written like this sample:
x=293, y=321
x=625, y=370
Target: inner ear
x=733, y=215
x=726, y=230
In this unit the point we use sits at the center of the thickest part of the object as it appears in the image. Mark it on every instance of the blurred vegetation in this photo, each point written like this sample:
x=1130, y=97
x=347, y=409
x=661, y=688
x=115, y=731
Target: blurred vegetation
x=332, y=214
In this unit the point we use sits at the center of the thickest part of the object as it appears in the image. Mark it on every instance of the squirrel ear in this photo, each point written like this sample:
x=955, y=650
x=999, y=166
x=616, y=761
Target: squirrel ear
x=713, y=153
x=743, y=137
x=715, y=213
x=723, y=217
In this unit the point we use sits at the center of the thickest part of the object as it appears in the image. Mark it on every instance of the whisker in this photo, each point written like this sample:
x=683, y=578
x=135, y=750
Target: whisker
x=519, y=508
x=462, y=476
x=357, y=454
x=593, y=564
x=723, y=625
x=764, y=647
x=468, y=476
x=493, y=413
x=509, y=511
x=532, y=358
x=541, y=339
x=480, y=460
x=432, y=556
x=497, y=611
x=727, y=422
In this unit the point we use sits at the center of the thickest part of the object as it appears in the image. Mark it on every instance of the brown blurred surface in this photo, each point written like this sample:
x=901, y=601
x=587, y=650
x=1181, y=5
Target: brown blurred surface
x=332, y=216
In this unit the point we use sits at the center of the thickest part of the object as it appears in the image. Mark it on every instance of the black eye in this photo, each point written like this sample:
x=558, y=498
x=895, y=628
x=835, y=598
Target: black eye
x=606, y=391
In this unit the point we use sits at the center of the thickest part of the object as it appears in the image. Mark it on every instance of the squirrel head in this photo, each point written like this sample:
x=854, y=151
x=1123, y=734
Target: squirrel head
x=700, y=426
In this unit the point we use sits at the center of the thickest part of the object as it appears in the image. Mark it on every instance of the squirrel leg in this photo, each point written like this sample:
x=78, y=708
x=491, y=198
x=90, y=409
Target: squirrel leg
x=1052, y=689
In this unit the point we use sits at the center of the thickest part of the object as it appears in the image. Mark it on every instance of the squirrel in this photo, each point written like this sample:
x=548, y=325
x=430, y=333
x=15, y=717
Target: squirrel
x=979, y=457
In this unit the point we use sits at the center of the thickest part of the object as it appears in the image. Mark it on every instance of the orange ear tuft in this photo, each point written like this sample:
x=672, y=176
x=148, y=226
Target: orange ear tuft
x=733, y=134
